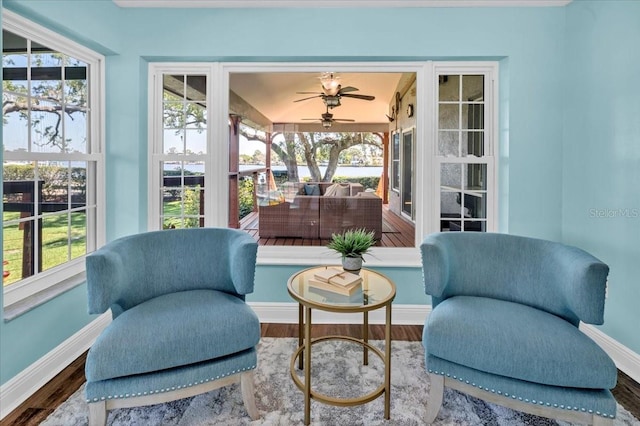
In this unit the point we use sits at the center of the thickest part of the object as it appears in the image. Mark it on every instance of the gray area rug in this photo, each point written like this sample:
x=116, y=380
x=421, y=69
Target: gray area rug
x=337, y=370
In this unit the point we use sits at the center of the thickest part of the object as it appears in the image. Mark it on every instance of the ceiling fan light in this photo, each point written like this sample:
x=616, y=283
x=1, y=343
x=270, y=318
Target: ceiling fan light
x=326, y=124
x=330, y=84
x=332, y=101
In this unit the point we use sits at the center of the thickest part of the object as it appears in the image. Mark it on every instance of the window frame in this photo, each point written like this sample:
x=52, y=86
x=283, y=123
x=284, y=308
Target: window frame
x=491, y=145
x=427, y=214
x=47, y=284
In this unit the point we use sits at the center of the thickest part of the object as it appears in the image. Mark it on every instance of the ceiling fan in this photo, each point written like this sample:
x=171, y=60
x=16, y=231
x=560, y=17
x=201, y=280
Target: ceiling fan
x=327, y=119
x=332, y=91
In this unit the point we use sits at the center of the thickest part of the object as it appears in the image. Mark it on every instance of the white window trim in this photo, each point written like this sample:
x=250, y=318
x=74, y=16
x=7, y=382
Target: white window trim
x=427, y=213
x=29, y=291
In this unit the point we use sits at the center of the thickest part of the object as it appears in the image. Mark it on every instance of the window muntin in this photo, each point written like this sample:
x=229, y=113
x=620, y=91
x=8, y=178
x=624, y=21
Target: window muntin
x=52, y=157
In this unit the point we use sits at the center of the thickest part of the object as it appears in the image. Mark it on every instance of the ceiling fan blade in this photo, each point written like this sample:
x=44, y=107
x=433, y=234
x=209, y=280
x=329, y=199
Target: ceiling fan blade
x=311, y=119
x=348, y=89
x=346, y=120
x=309, y=93
x=356, y=96
x=310, y=97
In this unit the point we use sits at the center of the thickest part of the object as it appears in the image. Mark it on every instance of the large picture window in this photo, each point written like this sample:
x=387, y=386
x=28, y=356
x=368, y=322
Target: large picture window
x=52, y=158
x=267, y=171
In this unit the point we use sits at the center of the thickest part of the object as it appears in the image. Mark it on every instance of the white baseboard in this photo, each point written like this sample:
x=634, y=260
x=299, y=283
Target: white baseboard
x=626, y=360
x=32, y=378
x=15, y=391
x=287, y=313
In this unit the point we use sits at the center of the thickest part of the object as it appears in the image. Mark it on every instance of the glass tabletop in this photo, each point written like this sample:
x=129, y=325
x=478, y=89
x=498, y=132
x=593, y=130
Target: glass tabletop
x=377, y=291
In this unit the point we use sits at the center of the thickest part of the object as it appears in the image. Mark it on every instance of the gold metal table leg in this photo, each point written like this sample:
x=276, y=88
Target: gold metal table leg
x=365, y=337
x=387, y=363
x=300, y=333
x=307, y=367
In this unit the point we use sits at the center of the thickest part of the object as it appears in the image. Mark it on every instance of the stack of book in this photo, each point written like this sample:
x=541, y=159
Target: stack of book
x=336, y=281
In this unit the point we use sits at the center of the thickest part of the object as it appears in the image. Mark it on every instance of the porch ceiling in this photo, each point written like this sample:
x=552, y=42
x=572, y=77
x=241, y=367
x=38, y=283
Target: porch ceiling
x=274, y=95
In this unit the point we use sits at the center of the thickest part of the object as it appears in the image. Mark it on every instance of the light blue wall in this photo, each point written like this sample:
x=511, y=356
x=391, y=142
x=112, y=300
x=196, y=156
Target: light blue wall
x=601, y=163
x=528, y=42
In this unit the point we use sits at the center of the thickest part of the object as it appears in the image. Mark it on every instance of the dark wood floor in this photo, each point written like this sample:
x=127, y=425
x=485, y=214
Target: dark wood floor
x=35, y=409
x=396, y=232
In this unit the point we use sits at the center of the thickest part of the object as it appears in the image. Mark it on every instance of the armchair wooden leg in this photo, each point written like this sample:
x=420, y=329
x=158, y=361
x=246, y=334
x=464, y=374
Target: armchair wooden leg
x=248, y=394
x=98, y=413
x=436, y=395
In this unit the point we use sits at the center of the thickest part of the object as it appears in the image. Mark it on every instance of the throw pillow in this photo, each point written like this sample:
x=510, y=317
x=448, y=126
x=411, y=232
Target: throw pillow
x=337, y=190
x=311, y=189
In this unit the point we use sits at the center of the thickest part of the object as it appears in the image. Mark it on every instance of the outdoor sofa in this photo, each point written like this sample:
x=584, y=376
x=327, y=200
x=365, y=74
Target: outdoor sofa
x=299, y=214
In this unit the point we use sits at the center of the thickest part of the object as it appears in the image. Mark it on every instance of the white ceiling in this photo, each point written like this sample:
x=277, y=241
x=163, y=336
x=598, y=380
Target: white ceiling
x=274, y=95
x=338, y=3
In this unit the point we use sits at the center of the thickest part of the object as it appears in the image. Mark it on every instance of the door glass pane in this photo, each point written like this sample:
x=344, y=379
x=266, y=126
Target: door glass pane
x=407, y=173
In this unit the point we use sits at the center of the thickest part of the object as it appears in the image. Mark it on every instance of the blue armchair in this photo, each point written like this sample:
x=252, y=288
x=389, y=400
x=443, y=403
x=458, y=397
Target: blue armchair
x=180, y=325
x=504, y=325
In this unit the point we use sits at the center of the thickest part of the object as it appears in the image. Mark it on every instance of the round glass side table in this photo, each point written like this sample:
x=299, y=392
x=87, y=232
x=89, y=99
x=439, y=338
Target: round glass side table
x=378, y=291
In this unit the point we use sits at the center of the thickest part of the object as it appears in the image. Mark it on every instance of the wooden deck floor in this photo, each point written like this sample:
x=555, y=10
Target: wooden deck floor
x=396, y=232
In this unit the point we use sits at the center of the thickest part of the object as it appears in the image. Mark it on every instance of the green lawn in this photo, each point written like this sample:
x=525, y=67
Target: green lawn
x=55, y=242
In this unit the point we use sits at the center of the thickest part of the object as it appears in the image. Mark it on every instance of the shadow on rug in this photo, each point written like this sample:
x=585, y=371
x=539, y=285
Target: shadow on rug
x=337, y=370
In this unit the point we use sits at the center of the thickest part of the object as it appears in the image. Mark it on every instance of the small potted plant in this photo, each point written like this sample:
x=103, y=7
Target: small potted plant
x=352, y=245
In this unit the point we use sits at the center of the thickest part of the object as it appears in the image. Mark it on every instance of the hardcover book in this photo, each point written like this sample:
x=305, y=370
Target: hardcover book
x=337, y=277
x=345, y=290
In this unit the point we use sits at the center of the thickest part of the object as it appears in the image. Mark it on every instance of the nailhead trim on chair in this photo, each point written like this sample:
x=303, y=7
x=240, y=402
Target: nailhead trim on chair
x=567, y=407
x=103, y=398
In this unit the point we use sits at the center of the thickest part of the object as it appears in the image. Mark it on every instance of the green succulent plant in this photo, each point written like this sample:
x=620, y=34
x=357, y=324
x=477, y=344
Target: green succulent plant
x=352, y=243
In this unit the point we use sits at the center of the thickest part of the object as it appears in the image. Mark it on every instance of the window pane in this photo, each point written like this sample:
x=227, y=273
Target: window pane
x=449, y=88
x=46, y=127
x=448, y=116
x=183, y=195
x=196, y=141
x=451, y=176
x=78, y=184
x=174, y=141
x=473, y=116
x=472, y=87
x=17, y=242
x=78, y=234
x=55, y=240
x=54, y=180
x=75, y=84
x=75, y=130
x=449, y=143
x=476, y=177
x=197, y=88
x=15, y=130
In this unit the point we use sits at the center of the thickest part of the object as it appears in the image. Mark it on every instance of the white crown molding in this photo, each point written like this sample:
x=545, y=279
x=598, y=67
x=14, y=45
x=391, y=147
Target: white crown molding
x=337, y=3
x=23, y=385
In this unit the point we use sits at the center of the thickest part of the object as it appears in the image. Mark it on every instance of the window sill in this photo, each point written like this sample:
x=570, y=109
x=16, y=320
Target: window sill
x=408, y=257
x=28, y=303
